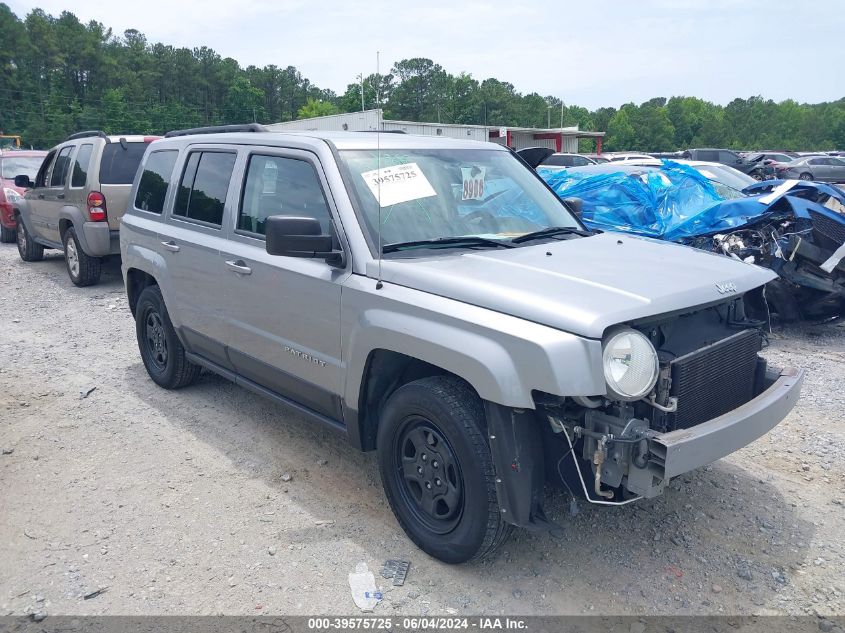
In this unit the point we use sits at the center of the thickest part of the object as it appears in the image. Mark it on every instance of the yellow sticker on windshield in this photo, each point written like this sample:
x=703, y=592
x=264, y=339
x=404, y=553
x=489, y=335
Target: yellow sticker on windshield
x=397, y=184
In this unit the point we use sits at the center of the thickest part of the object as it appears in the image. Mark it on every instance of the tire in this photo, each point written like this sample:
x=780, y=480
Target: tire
x=161, y=351
x=432, y=435
x=82, y=269
x=806, y=176
x=28, y=249
x=757, y=175
x=7, y=236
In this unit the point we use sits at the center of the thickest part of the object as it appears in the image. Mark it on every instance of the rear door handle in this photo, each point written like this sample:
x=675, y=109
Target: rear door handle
x=171, y=246
x=61, y=196
x=239, y=266
x=40, y=196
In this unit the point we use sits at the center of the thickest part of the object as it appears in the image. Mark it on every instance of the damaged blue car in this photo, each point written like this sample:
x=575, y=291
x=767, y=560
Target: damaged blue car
x=795, y=228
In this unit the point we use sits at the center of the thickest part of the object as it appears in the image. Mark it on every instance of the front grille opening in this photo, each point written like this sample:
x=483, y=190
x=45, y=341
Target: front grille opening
x=715, y=379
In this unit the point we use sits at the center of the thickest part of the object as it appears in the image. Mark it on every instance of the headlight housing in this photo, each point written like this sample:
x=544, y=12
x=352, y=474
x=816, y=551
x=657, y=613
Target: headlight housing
x=630, y=364
x=12, y=195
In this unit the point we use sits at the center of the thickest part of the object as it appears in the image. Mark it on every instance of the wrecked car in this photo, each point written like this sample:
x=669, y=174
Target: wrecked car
x=432, y=300
x=794, y=228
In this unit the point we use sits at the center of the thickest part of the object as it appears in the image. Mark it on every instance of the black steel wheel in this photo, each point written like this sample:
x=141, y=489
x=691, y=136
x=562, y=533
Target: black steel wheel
x=430, y=480
x=162, y=352
x=437, y=469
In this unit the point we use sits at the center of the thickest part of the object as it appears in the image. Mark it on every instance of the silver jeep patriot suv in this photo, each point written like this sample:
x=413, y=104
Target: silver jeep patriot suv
x=431, y=299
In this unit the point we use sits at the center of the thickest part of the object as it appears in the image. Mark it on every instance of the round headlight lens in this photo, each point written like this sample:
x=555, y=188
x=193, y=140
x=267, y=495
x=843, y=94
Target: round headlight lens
x=630, y=365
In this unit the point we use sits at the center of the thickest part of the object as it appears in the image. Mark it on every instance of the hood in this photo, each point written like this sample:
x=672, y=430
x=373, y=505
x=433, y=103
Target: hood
x=580, y=285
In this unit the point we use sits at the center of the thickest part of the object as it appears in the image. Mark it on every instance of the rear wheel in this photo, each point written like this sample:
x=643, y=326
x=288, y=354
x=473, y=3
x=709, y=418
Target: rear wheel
x=82, y=269
x=162, y=353
x=806, y=176
x=437, y=470
x=28, y=249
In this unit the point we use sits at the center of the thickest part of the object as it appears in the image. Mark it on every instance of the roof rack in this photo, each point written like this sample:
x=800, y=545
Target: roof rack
x=383, y=131
x=217, y=129
x=88, y=134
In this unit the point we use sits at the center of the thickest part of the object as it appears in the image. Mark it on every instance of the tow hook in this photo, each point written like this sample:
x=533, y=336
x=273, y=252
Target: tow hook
x=598, y=459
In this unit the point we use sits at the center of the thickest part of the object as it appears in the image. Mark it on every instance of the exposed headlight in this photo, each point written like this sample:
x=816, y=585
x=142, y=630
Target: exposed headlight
x=630, y=365
x=12, y=195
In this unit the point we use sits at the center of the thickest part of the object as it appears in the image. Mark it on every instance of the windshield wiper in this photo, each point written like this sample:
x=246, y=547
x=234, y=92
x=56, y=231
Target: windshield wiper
x=550, y=232
x=468, y=241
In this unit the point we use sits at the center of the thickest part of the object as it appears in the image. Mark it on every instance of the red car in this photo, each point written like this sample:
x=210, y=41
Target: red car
x=14, y=162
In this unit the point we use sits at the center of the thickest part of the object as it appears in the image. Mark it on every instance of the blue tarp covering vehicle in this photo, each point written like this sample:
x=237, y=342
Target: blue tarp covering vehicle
x=796, y=228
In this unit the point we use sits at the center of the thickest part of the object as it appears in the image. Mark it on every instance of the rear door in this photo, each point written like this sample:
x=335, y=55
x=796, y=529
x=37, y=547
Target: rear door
x=283, y=313
x=190, y=241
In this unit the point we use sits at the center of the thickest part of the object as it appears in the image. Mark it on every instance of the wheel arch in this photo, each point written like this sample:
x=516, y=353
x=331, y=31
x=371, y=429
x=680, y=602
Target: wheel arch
x=136, y=281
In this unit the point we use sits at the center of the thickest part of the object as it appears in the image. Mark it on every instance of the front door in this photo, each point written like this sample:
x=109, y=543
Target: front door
x=283, y=313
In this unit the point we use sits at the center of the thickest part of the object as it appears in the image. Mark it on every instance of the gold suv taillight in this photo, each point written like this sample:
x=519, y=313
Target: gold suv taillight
x=96, y=206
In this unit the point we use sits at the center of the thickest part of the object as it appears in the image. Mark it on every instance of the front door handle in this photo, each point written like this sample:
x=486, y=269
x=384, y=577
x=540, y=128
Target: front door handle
x=239, y=266
x=40, y=196
x=171, y=246
x=61, y=196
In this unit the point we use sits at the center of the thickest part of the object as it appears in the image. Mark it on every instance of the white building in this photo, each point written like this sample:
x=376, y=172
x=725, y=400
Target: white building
x=563, y=139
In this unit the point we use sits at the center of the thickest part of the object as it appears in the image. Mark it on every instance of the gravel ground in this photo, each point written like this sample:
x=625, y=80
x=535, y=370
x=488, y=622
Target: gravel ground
x=213, y=500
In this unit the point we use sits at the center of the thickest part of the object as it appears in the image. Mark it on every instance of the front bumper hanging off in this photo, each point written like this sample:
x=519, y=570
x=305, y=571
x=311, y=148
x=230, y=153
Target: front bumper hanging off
x=681, y=451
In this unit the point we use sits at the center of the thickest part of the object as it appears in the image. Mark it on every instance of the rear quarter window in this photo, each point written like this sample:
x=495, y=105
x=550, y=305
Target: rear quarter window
x=118, y=165
x=155, y=180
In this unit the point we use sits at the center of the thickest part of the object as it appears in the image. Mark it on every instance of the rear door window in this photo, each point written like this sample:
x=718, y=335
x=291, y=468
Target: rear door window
x=119, y=164
x=62, y=166
x=204, y=186
x=81, y=165
x=728, y=157
x=155, y=180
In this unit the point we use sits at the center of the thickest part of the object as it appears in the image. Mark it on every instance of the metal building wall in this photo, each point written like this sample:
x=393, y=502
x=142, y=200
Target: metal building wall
x=354, y=122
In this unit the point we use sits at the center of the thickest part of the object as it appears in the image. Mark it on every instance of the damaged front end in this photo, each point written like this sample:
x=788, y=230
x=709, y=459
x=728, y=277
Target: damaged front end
x=712, y=395
x=802, y=238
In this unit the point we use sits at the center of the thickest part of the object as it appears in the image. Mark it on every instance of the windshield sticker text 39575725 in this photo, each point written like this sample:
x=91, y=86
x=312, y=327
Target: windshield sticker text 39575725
x=397, y=184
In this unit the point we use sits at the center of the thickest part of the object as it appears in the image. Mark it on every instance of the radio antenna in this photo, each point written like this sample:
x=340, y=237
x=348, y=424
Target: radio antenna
x=379, y=284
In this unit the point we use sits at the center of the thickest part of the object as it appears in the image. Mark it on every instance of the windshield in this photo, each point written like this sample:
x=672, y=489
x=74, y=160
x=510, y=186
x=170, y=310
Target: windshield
x=728, y=176
x=12, y=166
x=446, y=193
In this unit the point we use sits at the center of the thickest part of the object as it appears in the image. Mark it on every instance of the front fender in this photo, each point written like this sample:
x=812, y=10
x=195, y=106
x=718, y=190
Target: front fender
x=505, y=358
x=22, y=209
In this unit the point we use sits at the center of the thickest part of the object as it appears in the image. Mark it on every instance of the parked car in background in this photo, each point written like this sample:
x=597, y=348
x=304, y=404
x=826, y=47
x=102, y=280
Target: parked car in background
x=432, y=300
x=821, y=168
x=624, y=157
x=568, y=160
x=13, y=163
x=767, y=163
x=598, y=158
x=724, y=156
x=721, y=176
x=77, y=199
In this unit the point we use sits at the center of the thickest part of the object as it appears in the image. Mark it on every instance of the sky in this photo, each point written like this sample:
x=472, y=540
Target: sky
x=591, y=53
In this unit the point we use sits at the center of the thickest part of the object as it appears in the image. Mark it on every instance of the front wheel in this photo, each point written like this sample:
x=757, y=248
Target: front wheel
x=437, y=469
x=162, y=353
x=28, y=249
x=806, y=176
x=82, y=268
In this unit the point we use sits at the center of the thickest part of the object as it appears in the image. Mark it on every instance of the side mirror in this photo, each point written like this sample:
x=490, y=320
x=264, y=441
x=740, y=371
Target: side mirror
x=576, y=205
x=23, y=182
x=298, y=237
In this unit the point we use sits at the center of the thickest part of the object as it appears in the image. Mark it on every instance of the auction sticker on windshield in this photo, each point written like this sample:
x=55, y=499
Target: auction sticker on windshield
x=473, y=183
x=398, y=184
